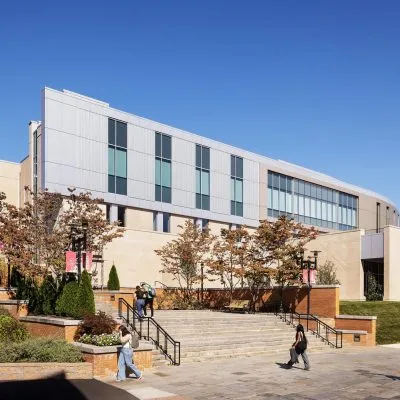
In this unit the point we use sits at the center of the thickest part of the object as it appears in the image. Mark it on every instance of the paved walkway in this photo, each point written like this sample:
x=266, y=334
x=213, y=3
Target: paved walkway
x=371, y=374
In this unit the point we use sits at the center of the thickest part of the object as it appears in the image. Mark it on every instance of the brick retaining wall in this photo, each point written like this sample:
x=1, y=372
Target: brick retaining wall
x=26, y=371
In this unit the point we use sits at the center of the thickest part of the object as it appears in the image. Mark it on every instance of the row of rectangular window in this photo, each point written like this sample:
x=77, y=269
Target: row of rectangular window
x=311, y=221
x=288, y=184
x=236, y=166
x=308, y=207
x=202, y=157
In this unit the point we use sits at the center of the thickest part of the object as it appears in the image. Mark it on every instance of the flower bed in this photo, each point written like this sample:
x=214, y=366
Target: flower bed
x=100, y=340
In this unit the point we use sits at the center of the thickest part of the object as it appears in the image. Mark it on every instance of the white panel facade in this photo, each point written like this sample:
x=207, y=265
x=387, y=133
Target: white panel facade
x=251, y=189
x=220, y=182
x=372, y=246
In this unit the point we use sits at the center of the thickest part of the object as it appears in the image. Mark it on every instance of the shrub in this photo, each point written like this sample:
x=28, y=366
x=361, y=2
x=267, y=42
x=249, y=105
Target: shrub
x=67, y=303
x=326, y=274
x=85, y=296
x=11, y=330
x=113, y=280
x=96, y=324
x=47, y=296
x=374, y=291
x=101, y=340
x=40, y=350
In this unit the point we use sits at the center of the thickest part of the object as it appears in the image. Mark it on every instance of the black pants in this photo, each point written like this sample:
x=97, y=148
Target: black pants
x=150, y=302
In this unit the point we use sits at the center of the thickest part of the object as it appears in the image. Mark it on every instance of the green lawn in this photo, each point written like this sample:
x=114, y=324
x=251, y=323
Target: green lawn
x=388, y=313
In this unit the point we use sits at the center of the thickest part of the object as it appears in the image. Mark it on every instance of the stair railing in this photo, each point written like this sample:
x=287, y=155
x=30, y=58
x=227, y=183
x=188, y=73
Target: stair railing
x=326, y=333
x=161, y=339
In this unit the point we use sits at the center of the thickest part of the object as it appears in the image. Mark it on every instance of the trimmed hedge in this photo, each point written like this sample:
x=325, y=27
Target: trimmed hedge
x=113, y=280
x=67, y=303
x=85, y=296
x=40, y=350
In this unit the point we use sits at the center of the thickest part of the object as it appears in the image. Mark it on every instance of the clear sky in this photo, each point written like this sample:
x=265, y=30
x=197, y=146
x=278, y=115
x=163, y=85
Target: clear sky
x=316, y=83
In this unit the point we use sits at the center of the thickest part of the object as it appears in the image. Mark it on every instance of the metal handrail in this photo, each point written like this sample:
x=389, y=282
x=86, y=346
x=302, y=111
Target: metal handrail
x=139, y=325
x=322, y=331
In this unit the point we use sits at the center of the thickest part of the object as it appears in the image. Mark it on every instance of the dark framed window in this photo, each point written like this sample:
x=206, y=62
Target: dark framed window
x=202, y=177
x=121, y=215
x=163, y=178
x=237, y=186
x=166, y=222
x=117, y=157
x=108, y=212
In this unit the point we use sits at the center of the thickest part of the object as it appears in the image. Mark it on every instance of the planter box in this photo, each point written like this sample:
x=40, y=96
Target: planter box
x=27, y=371
x=51, y=326
x=360, y=325
x=104, y=360
x=107, y=300
x=7, y=294
x=17, y=308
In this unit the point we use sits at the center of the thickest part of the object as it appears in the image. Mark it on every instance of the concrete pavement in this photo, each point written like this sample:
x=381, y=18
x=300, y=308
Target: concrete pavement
x=371, y=374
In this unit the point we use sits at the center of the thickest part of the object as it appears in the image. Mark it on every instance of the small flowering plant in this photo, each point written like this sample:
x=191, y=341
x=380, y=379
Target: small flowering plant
x=105, y=339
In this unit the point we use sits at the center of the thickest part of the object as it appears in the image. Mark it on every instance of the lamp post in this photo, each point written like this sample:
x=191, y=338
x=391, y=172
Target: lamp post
x=202, y=283
x=310, y=265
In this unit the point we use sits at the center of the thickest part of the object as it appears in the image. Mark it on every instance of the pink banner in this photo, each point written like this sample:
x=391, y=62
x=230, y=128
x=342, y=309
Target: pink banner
x=1, y=246
x=312, y=276
x=89, y=261
x=70, y=261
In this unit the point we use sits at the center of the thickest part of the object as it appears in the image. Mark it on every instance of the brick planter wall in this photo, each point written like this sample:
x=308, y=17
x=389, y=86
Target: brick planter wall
x=364, y=324
x=6, y=294
x=25, y=371
x=104, y=360
x=17, y=308
x=51, y=326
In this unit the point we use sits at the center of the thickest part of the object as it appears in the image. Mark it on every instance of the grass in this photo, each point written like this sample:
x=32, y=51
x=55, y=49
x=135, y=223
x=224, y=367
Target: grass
x=388, y=313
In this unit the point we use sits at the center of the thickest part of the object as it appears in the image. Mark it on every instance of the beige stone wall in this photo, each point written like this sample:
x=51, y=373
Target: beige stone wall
x=391, y=263
x=9, y=181
x=25, y=180
x=344, y=250
x=135, y=259
x=138, y=219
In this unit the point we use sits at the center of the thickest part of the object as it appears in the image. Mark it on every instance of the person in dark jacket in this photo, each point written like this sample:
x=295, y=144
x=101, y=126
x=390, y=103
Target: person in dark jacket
x=149, y=298
x=140, y=299
x=299, y=347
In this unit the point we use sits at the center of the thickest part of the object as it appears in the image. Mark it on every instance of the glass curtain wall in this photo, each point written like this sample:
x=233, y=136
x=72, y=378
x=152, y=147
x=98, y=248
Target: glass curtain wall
x=163, y=168
x=117, y=157
x=202, y=177
x=311, y=204
x=236, y=186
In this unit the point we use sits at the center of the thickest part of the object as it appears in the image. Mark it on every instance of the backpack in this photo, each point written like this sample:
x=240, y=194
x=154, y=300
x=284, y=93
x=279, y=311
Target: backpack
x=134, y=341
x=153, y=292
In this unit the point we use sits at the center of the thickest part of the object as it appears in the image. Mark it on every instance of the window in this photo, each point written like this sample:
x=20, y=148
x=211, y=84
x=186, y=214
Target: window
x=163, y=168
x=166, y=222
x=121, y=216
x=236, y=186
x=108, y=212
x=309, y=203
x=204, y=224
x=117, y=157
x=202, y=177
x=155, y=213
x=35, y=162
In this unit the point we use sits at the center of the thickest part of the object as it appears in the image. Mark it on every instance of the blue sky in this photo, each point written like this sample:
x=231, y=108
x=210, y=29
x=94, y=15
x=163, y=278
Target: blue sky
x=316, y=83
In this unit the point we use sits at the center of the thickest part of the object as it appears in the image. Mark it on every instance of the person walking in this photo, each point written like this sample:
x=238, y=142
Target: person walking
x=150, y=292
x=140, y=298
x=299, y=347
x=126, y=356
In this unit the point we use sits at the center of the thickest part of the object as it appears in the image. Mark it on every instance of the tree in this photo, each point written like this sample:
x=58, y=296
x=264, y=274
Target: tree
x=183, y=256
x=326, y=274
x=228, y=257
x=85, y=296
x=113, y=281
x=36, y=236
x=277, y=246
x=374, y=289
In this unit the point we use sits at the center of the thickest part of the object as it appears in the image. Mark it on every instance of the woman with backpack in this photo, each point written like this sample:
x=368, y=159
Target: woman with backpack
x=299, y=347
x=150, y=294
x=126, y=355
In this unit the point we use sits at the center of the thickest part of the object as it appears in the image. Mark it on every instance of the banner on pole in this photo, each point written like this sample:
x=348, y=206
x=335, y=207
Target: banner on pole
x=70, y=261
x=89, y=261
x=313, y=274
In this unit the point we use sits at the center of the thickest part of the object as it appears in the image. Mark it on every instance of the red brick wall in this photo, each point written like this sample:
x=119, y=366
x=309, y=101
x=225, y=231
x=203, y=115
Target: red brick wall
x=359, y=325
x=41, y=329
x=25, y=371
x=16, y=310
x=106, y=365
x=324, y=301
x=109, y=299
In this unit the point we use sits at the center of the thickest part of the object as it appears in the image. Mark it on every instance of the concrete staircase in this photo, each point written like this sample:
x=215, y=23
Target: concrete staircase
x=209, y=335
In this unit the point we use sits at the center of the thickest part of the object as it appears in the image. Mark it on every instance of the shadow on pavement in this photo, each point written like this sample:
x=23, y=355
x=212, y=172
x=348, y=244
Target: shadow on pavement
x=285, y=366
x=57, y=387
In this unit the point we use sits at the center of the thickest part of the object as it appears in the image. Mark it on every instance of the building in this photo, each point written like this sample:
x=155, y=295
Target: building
x=152, y=177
